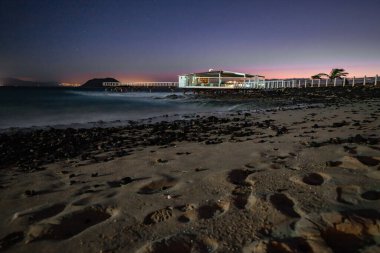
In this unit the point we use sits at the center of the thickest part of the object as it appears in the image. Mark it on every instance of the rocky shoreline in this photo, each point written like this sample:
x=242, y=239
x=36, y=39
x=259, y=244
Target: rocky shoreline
x=29, y=149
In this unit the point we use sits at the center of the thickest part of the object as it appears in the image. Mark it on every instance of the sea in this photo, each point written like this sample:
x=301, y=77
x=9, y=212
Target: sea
x=28, y=107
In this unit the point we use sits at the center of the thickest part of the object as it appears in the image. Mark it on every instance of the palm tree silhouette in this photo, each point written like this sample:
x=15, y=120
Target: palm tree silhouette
x=335, y=73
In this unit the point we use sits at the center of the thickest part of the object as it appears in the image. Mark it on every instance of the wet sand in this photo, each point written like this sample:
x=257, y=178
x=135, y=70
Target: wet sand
x=287, y=180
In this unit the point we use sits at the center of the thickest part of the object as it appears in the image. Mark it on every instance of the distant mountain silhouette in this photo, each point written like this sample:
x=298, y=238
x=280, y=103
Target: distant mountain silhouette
x=22, y=83
x=98, y=82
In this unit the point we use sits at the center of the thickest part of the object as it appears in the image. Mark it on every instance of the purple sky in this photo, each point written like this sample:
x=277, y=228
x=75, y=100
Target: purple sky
x=72, y=41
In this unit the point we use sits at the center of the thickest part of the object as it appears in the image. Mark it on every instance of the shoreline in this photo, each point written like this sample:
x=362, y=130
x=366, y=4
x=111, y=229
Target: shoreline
x=260, y=99
x=53, y=132
x=154, y=119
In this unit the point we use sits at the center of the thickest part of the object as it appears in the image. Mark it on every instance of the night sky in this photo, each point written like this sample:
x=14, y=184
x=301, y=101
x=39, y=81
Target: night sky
x=72, y=41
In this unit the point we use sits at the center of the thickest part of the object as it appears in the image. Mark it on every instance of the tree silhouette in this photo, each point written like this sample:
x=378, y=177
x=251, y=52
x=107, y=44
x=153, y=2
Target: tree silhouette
x=335, y=73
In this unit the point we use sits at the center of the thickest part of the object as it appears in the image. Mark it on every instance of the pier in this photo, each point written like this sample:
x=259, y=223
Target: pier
x=141, y=84
x=253, y=83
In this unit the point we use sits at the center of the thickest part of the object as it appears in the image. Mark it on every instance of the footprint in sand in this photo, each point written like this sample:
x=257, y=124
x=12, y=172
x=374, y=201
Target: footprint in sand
x=184, y=243
x=158, y=185
x=159, y=216
x=190, y=212
x=242, y=194
x=284, y=204
x=68, y=225
x=243, y=197
x=213, y=210
x=11, y=239
x=313, y=179
x=351, y=231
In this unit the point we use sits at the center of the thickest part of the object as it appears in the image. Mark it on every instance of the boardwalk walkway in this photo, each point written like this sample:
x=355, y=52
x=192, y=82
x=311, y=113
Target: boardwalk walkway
x=269, y=84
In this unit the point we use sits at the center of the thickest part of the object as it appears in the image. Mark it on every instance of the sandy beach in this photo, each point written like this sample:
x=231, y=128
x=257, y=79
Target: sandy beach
x=301, y=179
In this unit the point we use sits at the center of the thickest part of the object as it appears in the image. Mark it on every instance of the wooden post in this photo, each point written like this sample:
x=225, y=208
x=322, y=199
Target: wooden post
x=344, y=81
x=319, y=82
x=364, y=80
x=327, y=82
x=334, y=82
x=282, y=83
x=376, y=77
x=299, y=83
x=353, y=81
x=312, y=82
x=305, y=83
